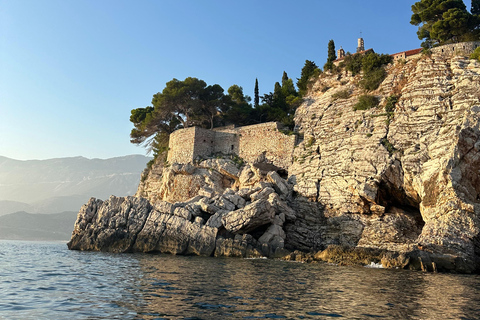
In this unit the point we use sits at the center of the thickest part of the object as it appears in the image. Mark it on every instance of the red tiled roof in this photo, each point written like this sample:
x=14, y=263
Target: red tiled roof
x=409, y=52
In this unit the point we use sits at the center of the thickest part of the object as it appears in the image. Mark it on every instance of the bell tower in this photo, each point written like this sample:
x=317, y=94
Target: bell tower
x=361, y=45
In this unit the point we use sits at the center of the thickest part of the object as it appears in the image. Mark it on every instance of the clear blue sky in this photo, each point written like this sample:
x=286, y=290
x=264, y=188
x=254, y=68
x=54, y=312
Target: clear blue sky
x=71, y=71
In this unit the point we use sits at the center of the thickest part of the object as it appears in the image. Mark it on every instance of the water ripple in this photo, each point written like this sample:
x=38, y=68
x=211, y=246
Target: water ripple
x=47, y=281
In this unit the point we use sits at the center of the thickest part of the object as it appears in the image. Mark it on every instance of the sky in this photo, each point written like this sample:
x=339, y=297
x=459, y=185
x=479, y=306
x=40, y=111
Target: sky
x=71, y=71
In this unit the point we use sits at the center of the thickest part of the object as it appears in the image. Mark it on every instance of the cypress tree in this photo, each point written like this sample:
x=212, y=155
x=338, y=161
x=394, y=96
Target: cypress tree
x=331, y=56
x=257, y=97
x=331, y=51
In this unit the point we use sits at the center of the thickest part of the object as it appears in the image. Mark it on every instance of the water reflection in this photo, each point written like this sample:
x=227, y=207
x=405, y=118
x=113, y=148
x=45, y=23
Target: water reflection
x=181, y=287
x=46, y=281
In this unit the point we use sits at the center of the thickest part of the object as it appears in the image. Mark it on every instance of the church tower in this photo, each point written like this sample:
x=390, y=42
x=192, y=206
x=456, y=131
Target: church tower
x=340, y=53
x=361, y=45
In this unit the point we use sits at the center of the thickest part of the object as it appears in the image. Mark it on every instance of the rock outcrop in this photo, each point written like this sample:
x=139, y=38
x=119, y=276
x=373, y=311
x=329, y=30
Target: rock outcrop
x=223, y=215
x=399, y=185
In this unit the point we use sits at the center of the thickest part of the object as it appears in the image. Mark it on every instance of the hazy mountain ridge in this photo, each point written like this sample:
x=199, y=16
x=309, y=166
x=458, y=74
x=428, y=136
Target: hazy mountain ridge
x=28, y=226
x=64, y=184
x=58, y=185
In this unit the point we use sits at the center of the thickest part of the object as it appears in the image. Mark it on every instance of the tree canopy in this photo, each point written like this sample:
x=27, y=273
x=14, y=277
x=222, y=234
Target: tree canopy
x=192, y=102
x=181, y=104
x=445, y=21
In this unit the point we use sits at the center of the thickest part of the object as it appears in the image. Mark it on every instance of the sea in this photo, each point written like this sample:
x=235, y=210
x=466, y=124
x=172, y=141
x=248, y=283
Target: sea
x=45, y=280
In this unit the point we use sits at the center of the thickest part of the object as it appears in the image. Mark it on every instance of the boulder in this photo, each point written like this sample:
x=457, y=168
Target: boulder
x=281, y=207
x=250, y=217
x=215, y=221
x=224, y=166
x=262, y=194
x=280, y=185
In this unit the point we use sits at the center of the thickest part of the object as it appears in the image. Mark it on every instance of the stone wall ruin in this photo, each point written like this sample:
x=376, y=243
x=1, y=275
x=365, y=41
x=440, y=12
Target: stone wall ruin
x=248, y=142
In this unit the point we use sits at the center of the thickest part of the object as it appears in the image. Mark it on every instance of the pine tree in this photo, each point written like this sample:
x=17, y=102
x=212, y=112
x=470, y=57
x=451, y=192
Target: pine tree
x=284, y=78
x=475, y=7
x=257, y=97
x=308, y=71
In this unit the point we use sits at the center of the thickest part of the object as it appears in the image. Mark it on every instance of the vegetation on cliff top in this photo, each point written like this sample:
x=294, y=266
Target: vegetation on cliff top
x=192, y=102
x=446, y=21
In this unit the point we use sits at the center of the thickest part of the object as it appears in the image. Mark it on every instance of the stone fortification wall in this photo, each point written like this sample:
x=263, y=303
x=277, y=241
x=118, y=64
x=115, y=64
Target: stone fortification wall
x=266, y=137
x=454, y=49
x=227, y=142
x=248, y=142
x=204, y=144
x=181, y=145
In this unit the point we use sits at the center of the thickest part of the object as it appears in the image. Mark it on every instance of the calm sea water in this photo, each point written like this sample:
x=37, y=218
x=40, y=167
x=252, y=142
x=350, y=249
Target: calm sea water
x=41, y=280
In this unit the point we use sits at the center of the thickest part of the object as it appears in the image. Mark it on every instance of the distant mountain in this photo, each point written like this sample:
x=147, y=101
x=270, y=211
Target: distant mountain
x=7, y=206
x=28, y=226
x=64, y=184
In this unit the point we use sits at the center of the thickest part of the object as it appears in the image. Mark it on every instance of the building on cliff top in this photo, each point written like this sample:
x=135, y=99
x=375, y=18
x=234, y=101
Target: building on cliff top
x=248, y=142
x=360, y=50
x=406, y=55
x=462, y=48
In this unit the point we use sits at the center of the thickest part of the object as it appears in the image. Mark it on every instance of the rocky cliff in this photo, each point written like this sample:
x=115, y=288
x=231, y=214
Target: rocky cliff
x=404, y=181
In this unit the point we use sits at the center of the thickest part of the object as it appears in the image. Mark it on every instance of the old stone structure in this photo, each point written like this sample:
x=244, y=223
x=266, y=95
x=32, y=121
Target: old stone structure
x=361, y=45
x=456, y=49
x=445, y=51
x=360, y=50
x=340, y=53
x=248, y=142
x=406, y=55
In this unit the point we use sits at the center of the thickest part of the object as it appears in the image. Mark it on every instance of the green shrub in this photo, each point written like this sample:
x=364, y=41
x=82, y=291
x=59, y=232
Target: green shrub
x=476, y=54
x=426, y=52
x=388, y=145
x=344, y=94
x=372, y=79
x=391, y=102
x=310, y=142
x=366, y=102
x=353, y=63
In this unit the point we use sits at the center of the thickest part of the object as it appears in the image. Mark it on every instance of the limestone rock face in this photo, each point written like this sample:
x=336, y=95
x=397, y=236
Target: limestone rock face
x=408, y=179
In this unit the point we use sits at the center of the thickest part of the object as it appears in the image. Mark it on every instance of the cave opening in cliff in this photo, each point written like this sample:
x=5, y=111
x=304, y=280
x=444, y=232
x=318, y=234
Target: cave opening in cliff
x=395, y=199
